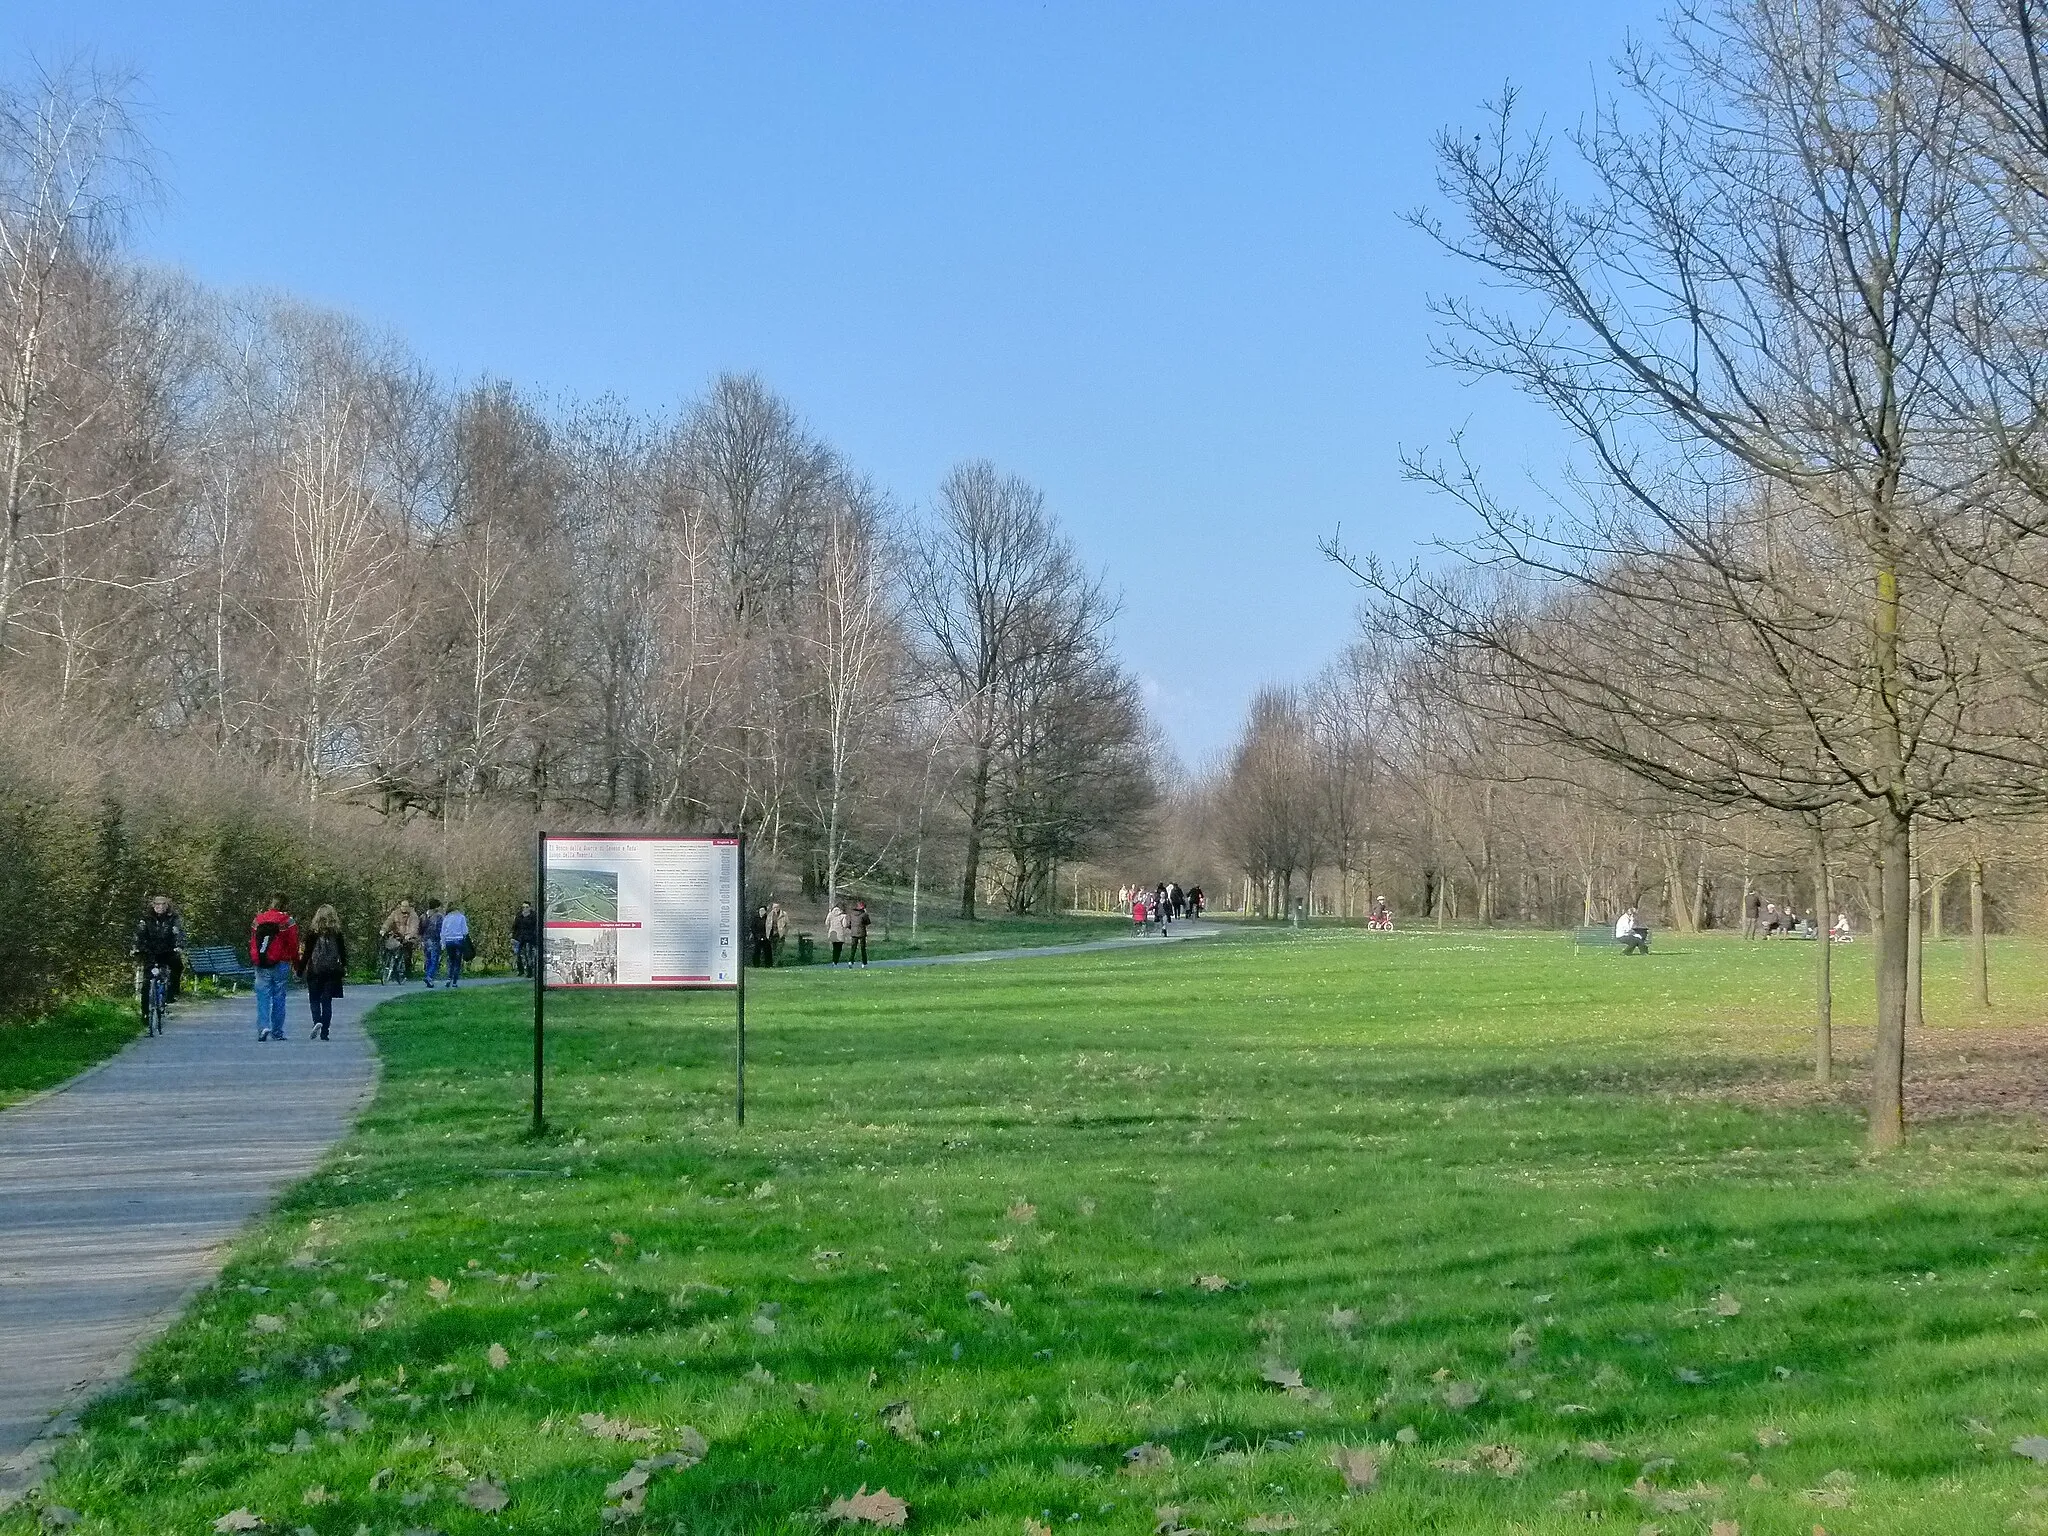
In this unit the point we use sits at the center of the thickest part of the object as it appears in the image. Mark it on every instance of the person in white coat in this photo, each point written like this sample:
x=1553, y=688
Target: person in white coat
x=836, y=930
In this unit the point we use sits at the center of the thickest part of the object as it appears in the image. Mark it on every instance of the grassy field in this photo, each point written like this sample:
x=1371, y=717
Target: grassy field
x=1148, y=1240
x=943, y=933
x=43, y=1052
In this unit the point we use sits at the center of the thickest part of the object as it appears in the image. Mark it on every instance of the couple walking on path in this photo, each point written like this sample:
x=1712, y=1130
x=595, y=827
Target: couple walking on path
x=278, y=953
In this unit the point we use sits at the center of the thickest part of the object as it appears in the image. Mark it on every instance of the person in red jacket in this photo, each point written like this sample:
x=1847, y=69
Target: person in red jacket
x=273, y=950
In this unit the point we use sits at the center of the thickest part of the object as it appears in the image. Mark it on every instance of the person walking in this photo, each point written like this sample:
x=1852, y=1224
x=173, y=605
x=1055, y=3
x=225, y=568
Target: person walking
x=525, y=938
x=836, y=929
x=1138, y=911
x=273, y=951
x=757, y=939
x=857, y=929
x=455, y=944
x=402, y=930
x=323, y=967
x=778, y=930
x=1159, y=906
x=430, y=938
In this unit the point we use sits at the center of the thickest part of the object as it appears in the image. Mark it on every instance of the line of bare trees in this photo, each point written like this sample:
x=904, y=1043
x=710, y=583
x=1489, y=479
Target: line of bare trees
x=1784, y=613
x=240, y=520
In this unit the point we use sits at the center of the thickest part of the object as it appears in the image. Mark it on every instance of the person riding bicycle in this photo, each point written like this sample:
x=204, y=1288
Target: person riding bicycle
x=159, y=941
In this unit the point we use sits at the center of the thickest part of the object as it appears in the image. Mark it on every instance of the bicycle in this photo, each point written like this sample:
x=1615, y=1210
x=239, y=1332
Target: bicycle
x=153, y=1000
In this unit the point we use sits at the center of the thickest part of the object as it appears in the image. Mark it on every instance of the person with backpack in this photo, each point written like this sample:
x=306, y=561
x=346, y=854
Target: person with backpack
x=324, y=967
x=430, y=938
x=273, y=951
x=455, y=945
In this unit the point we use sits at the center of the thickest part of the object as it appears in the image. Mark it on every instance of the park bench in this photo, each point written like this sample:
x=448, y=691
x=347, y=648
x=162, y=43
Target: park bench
x=220, y=962
x=1597, y=935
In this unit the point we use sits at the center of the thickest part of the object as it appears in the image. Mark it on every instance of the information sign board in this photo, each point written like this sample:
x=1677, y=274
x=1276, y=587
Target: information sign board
x=628, y=911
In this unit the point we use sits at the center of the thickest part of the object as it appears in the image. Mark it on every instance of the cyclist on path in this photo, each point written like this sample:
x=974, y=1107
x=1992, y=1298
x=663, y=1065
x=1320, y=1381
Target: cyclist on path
x=159, y=940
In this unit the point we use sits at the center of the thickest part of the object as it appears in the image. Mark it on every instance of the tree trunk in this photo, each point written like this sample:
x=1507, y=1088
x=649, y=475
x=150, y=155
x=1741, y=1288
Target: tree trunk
x=977, y=814
x=1915, y=1019
x=1888, y=1060
x=1823, y=978
x=1748, y=928
x=1980, y=972
x=1935, y=891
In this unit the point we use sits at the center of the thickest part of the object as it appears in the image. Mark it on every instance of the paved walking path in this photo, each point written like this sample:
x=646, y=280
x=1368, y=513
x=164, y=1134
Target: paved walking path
x=1186, y=928
x=121, y=1191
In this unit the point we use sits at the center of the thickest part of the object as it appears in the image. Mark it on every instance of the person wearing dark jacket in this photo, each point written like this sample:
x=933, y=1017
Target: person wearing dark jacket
x=323, y=966
x=857, y=929
x=159, y=940
x=525, y=938
x=757, y=938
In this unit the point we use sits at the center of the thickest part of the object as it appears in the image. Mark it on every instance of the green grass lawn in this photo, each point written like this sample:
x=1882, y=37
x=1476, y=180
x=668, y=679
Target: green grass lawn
x=942, y=932
x=1128, y=1241
x=41, y=1053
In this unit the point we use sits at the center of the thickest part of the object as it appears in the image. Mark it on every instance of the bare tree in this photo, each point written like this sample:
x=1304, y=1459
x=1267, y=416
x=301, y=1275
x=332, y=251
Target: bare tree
x=71, y=166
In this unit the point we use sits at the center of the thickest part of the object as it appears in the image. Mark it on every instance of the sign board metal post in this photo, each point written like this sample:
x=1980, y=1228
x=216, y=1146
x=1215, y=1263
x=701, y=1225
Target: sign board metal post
x=621, y=911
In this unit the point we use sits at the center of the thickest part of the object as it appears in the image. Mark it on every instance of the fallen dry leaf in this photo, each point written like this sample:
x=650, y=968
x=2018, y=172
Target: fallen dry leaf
x=266, y=1322
x=901, y=1421
x=1724, y=1528
x=1271, y=1523
x=598, y=1427
x=1521, y=1345
x=317, y=1494
x=1343, y=1319
x=1726, y=1305
x=55, y=1517
x=1360, y=1469
x=1023, y=1211
x=1212, y=1283
x=621, y=1240
x=1285, y=1377
x=1769, y=1436
x=1033, y=1528
x=637, y=1478
x=1140, y=1459
x=380, y=1480
x=1600, y=1452
x=239, y=1520
x=485, y=1496
x=880, y=1508
x=1463, y=1394
x=498, y=1357
x=1500, y=1460
x=2033, y=1447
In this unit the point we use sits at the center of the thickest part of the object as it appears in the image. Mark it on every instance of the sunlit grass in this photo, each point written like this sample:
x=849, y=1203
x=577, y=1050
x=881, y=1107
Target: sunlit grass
x=40, y=1053
x=1070, y=1207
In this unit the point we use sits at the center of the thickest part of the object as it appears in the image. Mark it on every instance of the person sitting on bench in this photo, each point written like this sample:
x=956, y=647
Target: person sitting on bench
x=1633, y=937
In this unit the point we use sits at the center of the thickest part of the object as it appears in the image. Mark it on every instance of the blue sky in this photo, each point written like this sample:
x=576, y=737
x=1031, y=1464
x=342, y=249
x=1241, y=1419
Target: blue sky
x=1149, y=256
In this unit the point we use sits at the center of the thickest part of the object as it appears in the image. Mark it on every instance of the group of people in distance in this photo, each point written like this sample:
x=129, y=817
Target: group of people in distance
x=441, y=934
x=846, y=930
x=1767, y=920
x=1164, y=904
x=281, y=952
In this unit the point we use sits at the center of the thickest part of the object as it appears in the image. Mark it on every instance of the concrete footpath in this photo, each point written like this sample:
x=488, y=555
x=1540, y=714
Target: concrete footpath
x=121, y=1191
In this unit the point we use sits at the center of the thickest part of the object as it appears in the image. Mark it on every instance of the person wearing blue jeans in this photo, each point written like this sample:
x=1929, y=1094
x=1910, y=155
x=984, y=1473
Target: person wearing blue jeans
x=430, y=939
x=454, y=938
x=273, y=951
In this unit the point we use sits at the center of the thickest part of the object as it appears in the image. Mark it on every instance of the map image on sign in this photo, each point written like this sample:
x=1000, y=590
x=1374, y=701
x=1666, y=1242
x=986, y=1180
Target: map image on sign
x=641, y=911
